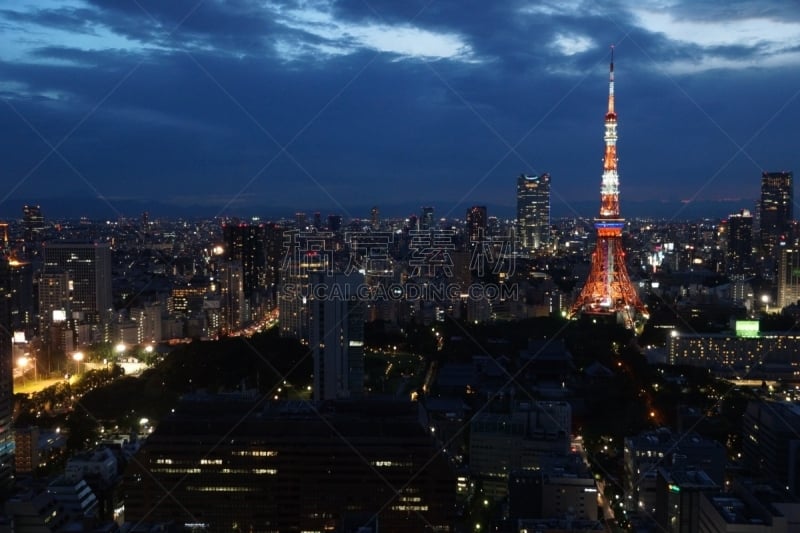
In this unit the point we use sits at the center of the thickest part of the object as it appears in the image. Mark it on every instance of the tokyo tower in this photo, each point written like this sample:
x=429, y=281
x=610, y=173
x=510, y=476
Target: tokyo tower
x=608, y=290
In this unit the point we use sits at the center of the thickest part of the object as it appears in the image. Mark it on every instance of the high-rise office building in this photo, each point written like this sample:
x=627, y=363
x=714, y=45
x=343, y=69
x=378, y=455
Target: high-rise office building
x=775, y=208
x=299, y=263
x=334, y=223
x=244, y=243
x=53, y=298
x=4, y=237
x=32, y=223
x=788, y=276
x=426, y=220
x=739, y=256
x=533, y=211
x=336, y=335
x=476, y=224
x=274, y=252
x=6, y=384
x=232, y=299
x=375, y=218
x=88, y=265
x=21, y=293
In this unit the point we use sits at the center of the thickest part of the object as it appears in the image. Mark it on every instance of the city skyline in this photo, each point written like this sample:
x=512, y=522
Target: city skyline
x=235, y=108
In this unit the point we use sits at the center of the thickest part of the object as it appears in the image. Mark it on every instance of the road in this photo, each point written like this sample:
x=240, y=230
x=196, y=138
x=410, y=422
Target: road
x=34, y=385
x=602, y=501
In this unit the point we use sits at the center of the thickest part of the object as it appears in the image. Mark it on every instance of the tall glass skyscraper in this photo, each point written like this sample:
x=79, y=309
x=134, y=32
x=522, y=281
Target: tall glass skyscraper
x=788, y=276
x=533, y=211
x=775, y=209
x=476, y=224
x=739, y=257
x=426, y=220
x=245, y=243
x=336, y=335
x=32, y=222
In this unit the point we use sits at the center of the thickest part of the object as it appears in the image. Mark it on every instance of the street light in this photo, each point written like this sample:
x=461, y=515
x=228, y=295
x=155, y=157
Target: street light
x=77, y=357
x=32, y=361
x=120, y=349
x=22, y=362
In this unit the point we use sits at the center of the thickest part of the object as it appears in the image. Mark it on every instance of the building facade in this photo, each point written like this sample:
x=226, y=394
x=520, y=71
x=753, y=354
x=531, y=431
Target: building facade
x=88, y=266
x=232, y=462
x=645, y=453
x=336, y=335
x=245, y=243
x=739, y=256
x=533, y=211
x=760, y=354
x=788, y=276
x=776, y=208
x=770, y=444
x=476, y=224
x=6, y=384
x=504, y=442
x=233, y=304
x=32, y=223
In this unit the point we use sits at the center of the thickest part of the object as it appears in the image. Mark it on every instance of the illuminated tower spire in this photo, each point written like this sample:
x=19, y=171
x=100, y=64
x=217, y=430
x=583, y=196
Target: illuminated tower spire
x=608, y=290
x=609, y=190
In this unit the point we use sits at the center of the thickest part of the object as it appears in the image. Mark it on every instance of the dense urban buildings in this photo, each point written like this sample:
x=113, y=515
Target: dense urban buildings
x=645, y=453
x=372, y=372
x=345, y=284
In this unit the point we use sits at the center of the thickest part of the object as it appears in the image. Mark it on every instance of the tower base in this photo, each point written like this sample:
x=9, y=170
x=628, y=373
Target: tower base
x=608, y=291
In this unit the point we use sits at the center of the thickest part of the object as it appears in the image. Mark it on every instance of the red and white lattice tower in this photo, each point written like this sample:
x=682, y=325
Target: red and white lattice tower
x=608, y=290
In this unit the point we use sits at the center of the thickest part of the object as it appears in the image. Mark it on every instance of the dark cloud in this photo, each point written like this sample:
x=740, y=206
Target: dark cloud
x=714, y=11
x=202, y=112
x=66, y=18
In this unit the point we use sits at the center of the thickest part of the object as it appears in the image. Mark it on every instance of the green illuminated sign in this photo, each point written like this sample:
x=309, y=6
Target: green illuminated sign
x=747, y=328
x=674, y=488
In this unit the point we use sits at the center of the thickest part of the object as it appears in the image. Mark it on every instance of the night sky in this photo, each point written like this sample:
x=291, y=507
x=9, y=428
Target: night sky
x=267, y=107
